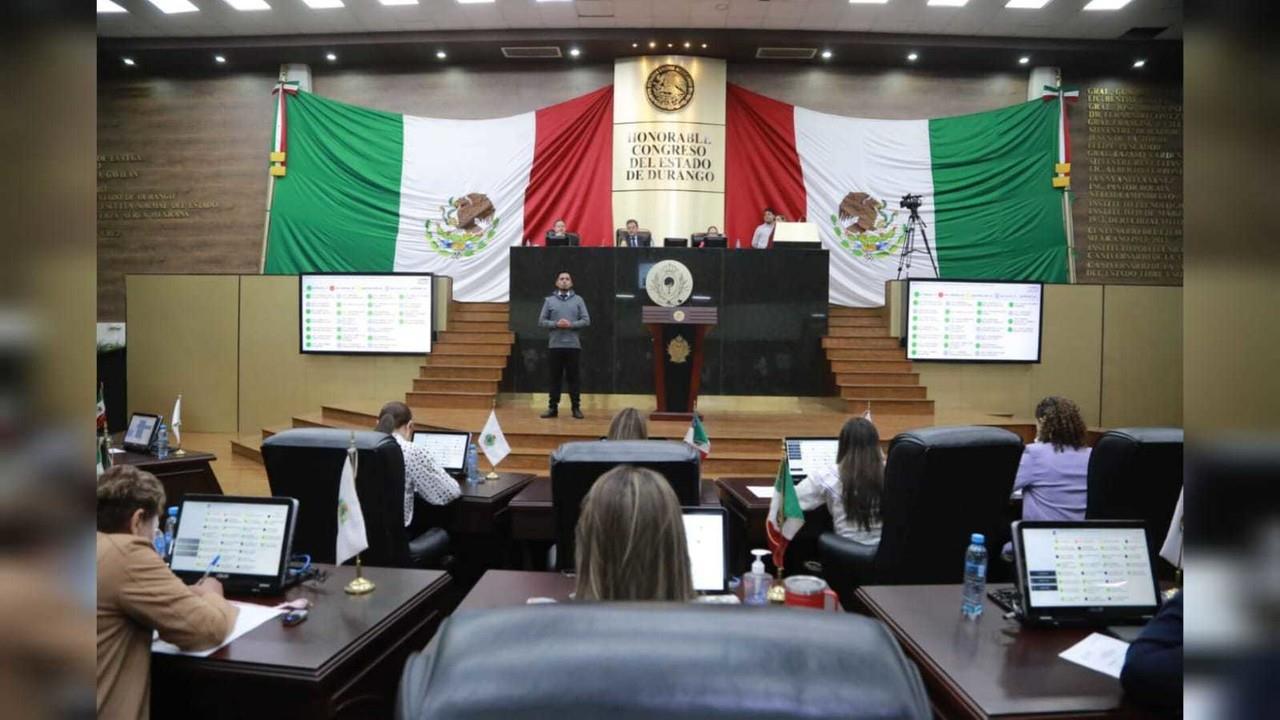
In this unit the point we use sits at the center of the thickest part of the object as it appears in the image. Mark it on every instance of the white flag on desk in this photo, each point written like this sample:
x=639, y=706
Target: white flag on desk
x=492, y=441
x=351, y=535
x=175, y=420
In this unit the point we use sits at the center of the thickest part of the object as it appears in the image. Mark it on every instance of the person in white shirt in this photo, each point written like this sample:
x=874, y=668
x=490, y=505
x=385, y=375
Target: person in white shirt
x=423, y=474
x=851, y=488
x=760, y=238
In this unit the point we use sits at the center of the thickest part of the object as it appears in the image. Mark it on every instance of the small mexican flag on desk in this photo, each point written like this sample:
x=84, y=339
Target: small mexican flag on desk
x=696, y=436
x=785, y=517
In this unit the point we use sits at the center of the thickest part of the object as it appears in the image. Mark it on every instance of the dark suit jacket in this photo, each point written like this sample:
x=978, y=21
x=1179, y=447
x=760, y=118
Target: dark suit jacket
x=642, y=239
x=1152, y=673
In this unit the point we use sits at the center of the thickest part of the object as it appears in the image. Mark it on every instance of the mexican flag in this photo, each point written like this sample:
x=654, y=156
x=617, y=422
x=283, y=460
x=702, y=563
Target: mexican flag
x=372, y=191
x=785, y=517
x=984, y=181
x=696, y=436
x=102, y=411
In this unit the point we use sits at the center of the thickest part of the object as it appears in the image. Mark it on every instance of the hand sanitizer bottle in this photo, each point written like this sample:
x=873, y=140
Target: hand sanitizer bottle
x=755, y=584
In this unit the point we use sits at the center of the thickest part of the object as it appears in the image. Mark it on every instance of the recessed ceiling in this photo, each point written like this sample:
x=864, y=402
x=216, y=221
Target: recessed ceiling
x=1060, y=19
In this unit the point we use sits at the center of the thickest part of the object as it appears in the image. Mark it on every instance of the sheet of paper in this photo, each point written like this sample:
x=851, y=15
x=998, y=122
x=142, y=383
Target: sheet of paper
x=761, y=491
x=1099, y=652
x=250, y=617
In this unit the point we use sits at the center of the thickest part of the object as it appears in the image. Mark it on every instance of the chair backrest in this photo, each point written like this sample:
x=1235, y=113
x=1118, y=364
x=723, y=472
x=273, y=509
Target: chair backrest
x=575, y=467
x=675, y=242
x=1136, y=474
x=941, y=485
x=306, y=463
x=644, y=238
x=781, y=663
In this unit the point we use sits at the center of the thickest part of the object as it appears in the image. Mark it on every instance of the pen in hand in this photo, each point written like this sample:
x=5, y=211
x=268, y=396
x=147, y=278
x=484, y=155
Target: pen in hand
x=212, y=564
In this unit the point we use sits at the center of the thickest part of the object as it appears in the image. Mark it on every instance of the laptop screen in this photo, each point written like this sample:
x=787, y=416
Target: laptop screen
x=1087, y=566
x=809, y=455
x=248, y=538
x=448, y=448
x=704, y=531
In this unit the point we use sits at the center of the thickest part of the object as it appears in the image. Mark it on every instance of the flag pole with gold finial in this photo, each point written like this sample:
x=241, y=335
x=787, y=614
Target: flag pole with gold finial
x=493, y=468
x=777, y=594
x=360, y=585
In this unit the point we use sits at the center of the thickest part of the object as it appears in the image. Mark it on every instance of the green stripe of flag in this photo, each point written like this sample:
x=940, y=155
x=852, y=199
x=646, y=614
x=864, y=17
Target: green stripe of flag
x=338, y=207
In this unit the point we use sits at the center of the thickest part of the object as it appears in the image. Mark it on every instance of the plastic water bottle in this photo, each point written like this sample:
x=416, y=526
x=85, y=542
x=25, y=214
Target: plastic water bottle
x=161, y=546
x=162, y=442
x=473, y=465
x=170, y=527
x=975, y=577
x=755, y=584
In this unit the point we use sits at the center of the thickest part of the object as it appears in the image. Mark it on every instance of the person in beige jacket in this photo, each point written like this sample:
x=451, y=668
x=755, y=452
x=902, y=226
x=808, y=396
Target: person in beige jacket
x=137, y=593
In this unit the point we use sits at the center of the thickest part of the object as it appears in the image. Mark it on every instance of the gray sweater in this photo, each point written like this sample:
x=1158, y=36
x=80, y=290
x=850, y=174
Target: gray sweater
x=570, y=308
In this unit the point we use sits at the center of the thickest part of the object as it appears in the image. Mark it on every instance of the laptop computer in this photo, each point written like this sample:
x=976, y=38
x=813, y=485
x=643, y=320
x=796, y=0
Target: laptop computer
x=252, y=537
x=807, y=455
x=1087, y=572
x=706, y=533
x=448, y=447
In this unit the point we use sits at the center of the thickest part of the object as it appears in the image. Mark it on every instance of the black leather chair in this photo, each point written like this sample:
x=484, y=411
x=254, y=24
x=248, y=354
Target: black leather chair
x=676, y=662
x=575, y=466
x=306, y=463
x=941, y=485
x=1136, y=474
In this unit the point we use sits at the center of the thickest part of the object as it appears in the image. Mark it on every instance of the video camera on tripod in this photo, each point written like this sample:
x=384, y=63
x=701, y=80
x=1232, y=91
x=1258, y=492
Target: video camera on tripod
x=915, y=226
x=910, y=202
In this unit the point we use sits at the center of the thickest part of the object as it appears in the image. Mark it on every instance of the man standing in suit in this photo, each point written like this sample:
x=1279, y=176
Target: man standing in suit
x=565, y=313
x=631, y=236
x=764, y=232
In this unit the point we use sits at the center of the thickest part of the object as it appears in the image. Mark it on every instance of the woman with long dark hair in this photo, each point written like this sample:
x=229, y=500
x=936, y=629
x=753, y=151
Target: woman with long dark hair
x=851, y=488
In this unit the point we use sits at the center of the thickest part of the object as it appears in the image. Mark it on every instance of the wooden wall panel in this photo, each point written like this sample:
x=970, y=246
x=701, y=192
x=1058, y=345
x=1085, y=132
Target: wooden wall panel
x=182, y=339
x=1142, y=356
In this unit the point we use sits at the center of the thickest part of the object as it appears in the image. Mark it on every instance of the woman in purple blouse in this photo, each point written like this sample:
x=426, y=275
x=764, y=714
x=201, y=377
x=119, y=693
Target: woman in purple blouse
x=1053, y=473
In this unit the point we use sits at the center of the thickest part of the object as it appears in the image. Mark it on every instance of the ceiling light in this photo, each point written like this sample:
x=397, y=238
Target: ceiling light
x=128, y=61
x=948, y=3
x=322, y=4
x=912, y=57
x=1026, y=4
x=398, y=2
x=826, y=54
x=1139, y=63
x=330, y=57
x=686, y=43
x=440, y=54
x=219, y=59
x=169, y=7
x=1024, y=60
x=474, y=2
x=668, y=44
x=704, y=46
x=1106, y=4
x=652, y=44
x=868, y=2
x=106, y=6
x=244, y=5
x=574, y=52
x=635, y=44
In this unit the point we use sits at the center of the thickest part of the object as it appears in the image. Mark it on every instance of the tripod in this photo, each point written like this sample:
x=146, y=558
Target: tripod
x=914, y=223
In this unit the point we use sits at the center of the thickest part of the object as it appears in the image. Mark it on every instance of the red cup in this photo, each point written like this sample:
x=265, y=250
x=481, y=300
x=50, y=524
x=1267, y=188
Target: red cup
x=809, y=591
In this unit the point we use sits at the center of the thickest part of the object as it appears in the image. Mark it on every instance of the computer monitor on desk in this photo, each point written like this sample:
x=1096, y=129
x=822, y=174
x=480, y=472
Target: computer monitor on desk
x=643, y=238
x=675, y=242
x=565, y=240
x=796, y=235
x=714, y=241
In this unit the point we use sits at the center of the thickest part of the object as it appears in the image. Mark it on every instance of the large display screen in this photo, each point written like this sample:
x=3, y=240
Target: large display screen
x=373, y=314
x=965, y=321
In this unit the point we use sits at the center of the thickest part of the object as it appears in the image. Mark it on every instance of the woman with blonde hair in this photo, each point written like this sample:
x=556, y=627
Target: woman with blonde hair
x=628, y=424
x=630, y=540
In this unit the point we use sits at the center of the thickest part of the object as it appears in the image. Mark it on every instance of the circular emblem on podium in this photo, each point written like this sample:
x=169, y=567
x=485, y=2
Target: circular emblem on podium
x=669, y=87
x=678, y=316
x=669, y=283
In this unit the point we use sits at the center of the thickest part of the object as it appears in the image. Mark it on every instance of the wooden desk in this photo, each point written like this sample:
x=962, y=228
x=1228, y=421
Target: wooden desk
x=180, y=474
x=482, y=507
x=344, y=661
x=992, y=667
x=746, y=518
x=533, y=519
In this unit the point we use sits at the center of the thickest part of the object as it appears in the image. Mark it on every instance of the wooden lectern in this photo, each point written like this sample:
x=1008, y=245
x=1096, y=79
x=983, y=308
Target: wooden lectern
x=677, y=357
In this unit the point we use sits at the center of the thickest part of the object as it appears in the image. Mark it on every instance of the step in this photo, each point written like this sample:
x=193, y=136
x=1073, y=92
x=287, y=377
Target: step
x=481, y=306
x=467, y=336
x=877, y=378
x=841, y=311
x=862, y=343
x=498, y=350
x=471, y=326
x=854, y=334
x=340, y=417
x=437, y=372
x=885, y=392
x=857, y=406
x=448, y=399
x=464, y=316
x=842, y=324
x=465, y=361
x=718, y=464
x=247, y=448
x=489, y=387
x=898, y=354
x=840, y=367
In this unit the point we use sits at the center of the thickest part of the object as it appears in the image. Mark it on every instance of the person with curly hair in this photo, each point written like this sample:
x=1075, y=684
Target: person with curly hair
x=1053, y=473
